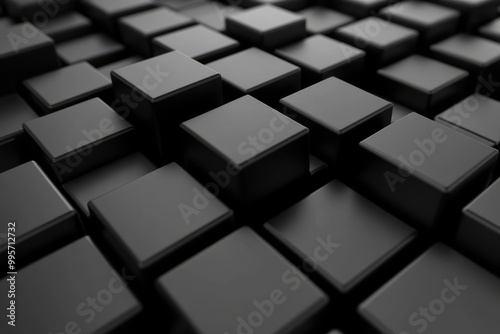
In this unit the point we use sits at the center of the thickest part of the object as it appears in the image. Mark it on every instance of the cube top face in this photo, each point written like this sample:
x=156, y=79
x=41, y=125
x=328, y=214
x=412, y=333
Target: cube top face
x=323, y=20
x=196, y=42
x=13, y=114
x=26, y=186
x=241, y=130
x=336, y=104
x=477, y=114
x=390, y=33
x=266, y=18
x=116, y=7
x=363, y=232
x=244, y=269
x=491, y=30
x=421, y=13
x=155, y=200
x=479, y=51
x=485, y=207
x=431, y=152
x=320, y=53
x=79, y=126
x=56, y=88
x=87, y=48
x=155, y=20
x=90, y=274
x=441, y=276
x=250, y=69
x=423, y=73
x=21, y=37
x=164, y=75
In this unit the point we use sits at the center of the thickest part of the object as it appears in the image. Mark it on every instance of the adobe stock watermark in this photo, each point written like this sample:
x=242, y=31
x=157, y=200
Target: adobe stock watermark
x=424, y=149
x=48, y=9
x=251, y=146
x=151, y=81
x=422, y=318
x=292, y=280
x=90, y=308
x=463, y=110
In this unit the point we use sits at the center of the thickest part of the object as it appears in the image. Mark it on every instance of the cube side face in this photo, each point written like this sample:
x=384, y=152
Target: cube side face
x=133, y=39
x=413, y=98
x=280, y=37
x=273, y=92
x=478, y=240
x=410, y=197
x=274, y=172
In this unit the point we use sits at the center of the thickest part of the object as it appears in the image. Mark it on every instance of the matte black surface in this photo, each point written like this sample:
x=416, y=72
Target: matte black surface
x=358, y=8
x=137, y=30
x=174, y=212
x=266, y=26
x=94, y=286
x=107, y=12
x=258, y=73
x=106, y=178
x=425, y=171
x=25, y=51
x=107, y=69
x=321, y=20
x=339, y=116
x=433, y=22
x=473, y=12
x=476, y=116
x=66, y=86
x=77, y=139
x=422, y=84
x=49, y=222
x=383, y=41
x=198, y=42
x=234, y=274
x=249, y=149
x=13, y=113
x=64, y=27
x=340, y=234
x=491, y=30
x=479, y=56
x=479, y=230
x=441, y=291
x=96, y=49
x=165, y=91
x=211, y=14
x=30, y=9
x=321, y=57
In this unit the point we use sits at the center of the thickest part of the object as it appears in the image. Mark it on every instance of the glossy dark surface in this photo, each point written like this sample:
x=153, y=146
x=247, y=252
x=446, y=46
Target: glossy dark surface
x=235, y=272
x=345, y=236
x=51, y=91
x=455, y=294
x=68, y=26
x=92, y=279
x=173, y=210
